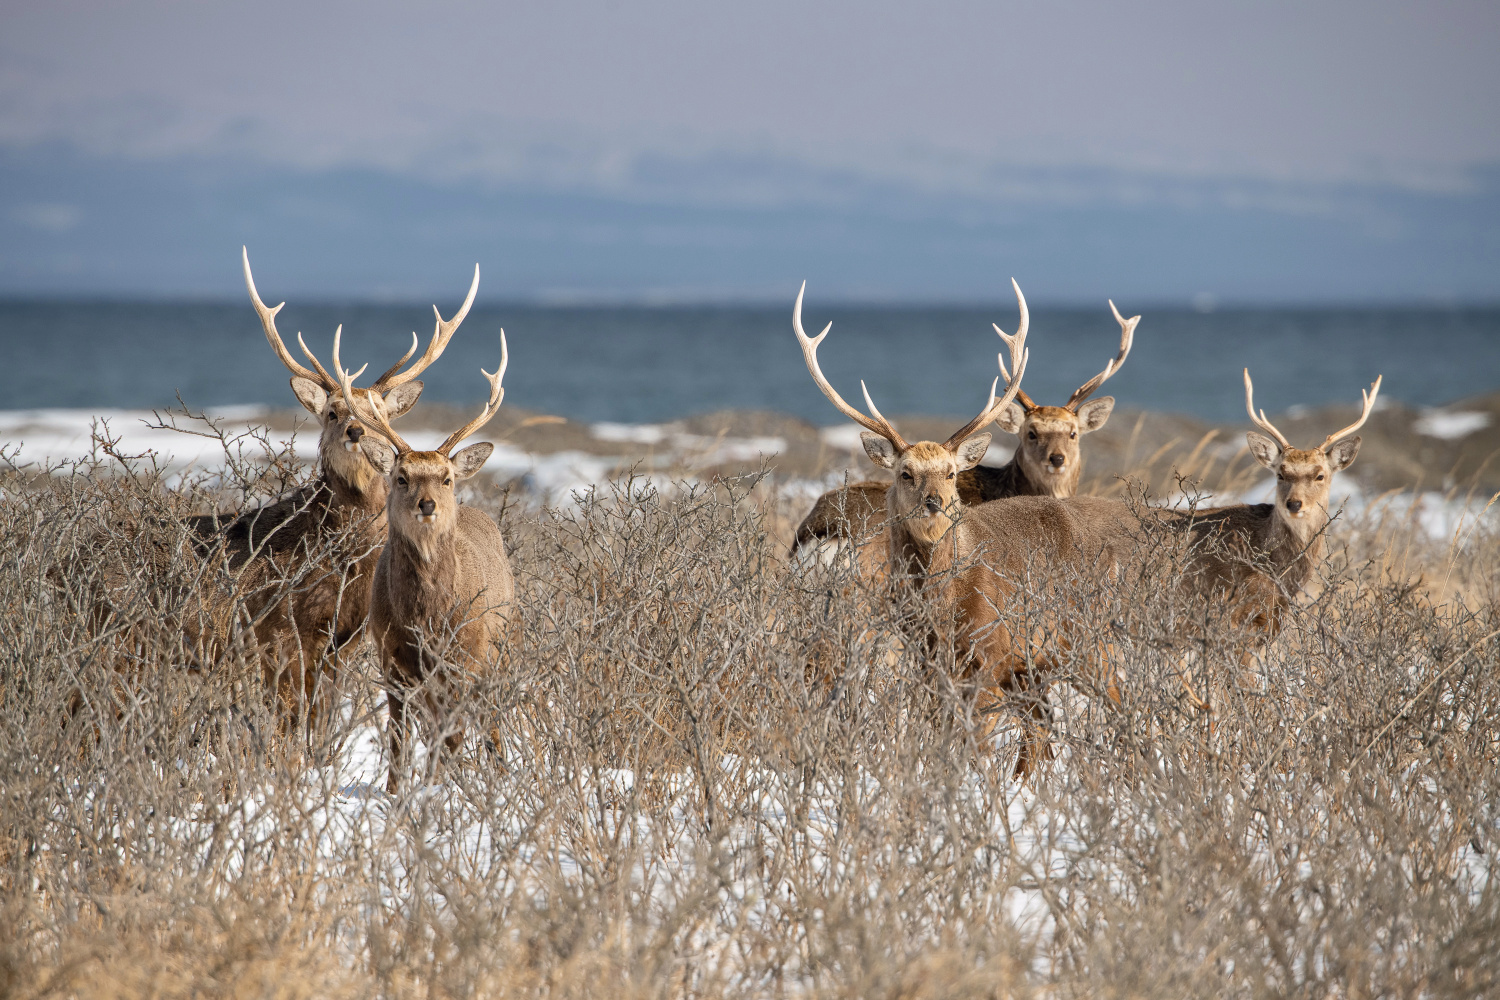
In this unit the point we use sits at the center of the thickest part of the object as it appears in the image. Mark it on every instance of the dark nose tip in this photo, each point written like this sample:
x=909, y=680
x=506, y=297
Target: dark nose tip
x=933, y=505
x=427, y=506
x=1058, y=460
x=355, y=432
x=1294, y=505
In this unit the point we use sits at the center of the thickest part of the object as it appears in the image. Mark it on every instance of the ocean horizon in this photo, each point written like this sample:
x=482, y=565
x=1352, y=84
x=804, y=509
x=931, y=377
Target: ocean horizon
x=655, y=363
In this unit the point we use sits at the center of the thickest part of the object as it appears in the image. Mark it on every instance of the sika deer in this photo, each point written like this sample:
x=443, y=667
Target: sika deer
x=442, y=590
x=1047, y=462
x=1251, y=559
x=338, y=520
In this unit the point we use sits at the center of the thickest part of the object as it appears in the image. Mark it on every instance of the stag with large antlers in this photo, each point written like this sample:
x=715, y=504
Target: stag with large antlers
x=1250, y=561
x=441, y=595
x=923, y=504
x=1047, y=461
x=338, y=520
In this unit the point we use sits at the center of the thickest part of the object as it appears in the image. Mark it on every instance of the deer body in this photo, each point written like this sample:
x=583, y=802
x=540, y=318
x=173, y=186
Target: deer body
x=442, y=590
x=326, y=537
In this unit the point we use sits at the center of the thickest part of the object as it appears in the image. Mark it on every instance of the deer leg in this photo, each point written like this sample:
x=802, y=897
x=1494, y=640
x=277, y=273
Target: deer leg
x=396, y=737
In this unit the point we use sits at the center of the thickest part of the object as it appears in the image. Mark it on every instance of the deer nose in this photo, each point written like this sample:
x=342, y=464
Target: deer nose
x=1294, y=505
x=934, y=504
x=427, y=507
x=1057, y=459
x=355, y=432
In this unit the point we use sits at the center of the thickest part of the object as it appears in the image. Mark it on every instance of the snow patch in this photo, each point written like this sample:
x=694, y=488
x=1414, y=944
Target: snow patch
x=1450, y=425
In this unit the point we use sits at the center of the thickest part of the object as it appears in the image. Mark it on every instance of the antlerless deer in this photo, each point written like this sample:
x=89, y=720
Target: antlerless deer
x=442, y=590
x=1047, y=461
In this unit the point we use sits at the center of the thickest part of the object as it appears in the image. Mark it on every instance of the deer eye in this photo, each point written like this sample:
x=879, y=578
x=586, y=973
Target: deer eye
x=448, y=481
x=1031, y=435
x=1320, y=477
x=951, y=475
x=906, y=476
x=1073, y=436
x=400, y=480
x=332, y=415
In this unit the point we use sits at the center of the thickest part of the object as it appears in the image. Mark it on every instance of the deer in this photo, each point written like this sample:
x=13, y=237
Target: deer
x=337, y=521
x=1047, y=462
x=442, y=590
x=1250, y=561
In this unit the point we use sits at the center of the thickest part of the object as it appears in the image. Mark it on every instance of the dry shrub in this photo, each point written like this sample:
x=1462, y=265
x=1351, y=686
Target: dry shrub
x=719, y=777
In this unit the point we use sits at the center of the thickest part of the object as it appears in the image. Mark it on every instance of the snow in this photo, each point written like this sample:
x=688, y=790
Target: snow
x=1450, y=425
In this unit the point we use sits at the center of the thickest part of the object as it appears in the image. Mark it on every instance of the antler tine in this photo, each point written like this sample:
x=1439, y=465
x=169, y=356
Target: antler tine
x=1369, y=401
x=497, y=393
x=268, y=323
x=1127, y=337
x=442, y=332
x=1260, y=419
x=1019, y=355
x=377, y=405
x=875, y=422
x=1025, y=322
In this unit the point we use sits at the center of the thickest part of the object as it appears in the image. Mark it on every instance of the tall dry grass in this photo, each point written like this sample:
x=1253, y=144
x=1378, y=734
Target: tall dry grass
x=720, y=777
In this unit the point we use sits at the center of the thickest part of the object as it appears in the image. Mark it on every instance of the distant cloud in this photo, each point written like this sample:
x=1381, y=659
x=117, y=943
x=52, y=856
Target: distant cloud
x=48, y=217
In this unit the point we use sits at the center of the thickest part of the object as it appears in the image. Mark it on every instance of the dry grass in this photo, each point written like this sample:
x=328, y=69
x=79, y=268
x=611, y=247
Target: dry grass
x=723, y=778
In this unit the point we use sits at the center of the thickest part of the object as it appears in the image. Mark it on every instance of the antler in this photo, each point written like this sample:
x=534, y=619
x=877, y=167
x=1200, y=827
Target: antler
x=1127, y=335
x=1260, y=419
x=441, y=334
x=875, y=421
x=1018, y=357
x=376, y=408
x=497, y=393
x=1369, y=400
x=1025, y=321
x=268, y=323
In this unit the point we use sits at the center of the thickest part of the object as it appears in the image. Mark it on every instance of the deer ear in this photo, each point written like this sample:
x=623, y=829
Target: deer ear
x=468, y=460
x=971, y=451
x=310, y=394
x=1011, y=418
x=402, y=398
x=1341, y=454
x=1093, y=414
x=880, y=450
x=1266, y=451
x=378, y=454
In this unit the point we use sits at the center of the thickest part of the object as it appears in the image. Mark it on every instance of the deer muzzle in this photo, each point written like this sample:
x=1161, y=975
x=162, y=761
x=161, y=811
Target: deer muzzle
x=427, y=508
x=933, y=504
x=1294, y=506
x=1057, y=459
x=352, y=436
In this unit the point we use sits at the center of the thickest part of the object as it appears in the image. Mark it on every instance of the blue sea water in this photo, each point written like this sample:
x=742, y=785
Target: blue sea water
x=650, y=364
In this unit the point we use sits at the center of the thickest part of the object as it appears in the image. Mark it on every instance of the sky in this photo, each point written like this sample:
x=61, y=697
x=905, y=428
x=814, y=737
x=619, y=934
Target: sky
x=1178, y=151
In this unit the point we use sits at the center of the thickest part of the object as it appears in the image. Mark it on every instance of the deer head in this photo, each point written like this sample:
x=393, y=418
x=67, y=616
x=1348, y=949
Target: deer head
x=1049, y=452
x=926, y=486
x=1304, y=476
x=422, y=506
x=342, y=445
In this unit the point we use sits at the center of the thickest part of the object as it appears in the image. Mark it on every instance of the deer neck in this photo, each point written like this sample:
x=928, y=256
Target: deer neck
x=365, y=494
x=424, y=570
x=926, y=562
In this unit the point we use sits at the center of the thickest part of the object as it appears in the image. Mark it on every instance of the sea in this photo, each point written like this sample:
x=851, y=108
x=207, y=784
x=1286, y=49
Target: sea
x=647, y=364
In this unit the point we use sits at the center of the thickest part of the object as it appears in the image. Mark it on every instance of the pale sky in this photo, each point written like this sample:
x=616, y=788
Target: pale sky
x=1274, y=150
x=928, y=92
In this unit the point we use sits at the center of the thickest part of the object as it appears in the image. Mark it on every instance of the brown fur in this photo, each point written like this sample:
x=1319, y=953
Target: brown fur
x=858, y=511
x=442, y=592
x=299, y=632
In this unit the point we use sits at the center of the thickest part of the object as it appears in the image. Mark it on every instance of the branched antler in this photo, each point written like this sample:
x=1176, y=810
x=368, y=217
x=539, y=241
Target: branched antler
x=1018, y=357
x=1369, y=406
x=497, y=393
x=875, y=422
x=1127, y=336
x=376, y=408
